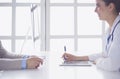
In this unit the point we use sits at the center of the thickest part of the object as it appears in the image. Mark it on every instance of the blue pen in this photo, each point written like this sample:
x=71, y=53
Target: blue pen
x=65, y=49
x=65, y=52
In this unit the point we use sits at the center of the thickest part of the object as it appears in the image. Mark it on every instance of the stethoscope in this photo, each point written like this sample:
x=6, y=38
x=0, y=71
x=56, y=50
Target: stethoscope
x=111, y=35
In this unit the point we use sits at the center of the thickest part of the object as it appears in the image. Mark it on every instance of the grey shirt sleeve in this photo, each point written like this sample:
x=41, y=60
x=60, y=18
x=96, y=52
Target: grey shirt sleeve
x=9, y=61
x=5, y=54
x=10, y=64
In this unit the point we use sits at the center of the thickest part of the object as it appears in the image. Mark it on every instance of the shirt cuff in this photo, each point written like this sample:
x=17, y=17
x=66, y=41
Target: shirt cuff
x=24, y=65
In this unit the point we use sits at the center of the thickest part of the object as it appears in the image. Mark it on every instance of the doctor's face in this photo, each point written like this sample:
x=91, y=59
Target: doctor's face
x=101, y=9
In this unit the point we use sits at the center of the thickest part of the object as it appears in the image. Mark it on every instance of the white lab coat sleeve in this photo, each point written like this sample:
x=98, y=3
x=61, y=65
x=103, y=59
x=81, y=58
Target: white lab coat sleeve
x=112, y=62
x=93, y=57
x=105, y=64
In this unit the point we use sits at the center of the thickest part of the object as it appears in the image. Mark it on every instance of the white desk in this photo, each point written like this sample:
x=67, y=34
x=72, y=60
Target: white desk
x=52, y=70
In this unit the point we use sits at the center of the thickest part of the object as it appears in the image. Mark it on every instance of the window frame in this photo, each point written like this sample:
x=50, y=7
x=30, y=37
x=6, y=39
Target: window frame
x=45, y=23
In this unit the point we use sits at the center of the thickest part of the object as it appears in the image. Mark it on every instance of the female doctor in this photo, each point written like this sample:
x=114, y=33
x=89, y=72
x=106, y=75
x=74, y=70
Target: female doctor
x=109, y=59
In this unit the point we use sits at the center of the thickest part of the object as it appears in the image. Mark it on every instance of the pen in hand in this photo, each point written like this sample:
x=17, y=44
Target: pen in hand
x=65, y=52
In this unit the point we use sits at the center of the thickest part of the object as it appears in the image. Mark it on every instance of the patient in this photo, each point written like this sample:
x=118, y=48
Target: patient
x=10, y=61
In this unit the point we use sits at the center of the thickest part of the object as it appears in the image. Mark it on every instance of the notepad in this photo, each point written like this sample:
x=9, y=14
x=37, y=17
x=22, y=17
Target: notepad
x=75, y=63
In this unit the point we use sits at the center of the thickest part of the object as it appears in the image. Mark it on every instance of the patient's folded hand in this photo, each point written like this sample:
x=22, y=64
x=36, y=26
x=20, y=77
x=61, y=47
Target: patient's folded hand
x=34, y=62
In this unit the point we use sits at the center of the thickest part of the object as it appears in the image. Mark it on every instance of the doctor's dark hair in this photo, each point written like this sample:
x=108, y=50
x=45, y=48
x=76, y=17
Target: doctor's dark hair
x=115, y=2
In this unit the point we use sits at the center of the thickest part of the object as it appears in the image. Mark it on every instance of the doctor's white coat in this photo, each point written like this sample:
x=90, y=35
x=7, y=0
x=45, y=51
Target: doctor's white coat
x=110, y=59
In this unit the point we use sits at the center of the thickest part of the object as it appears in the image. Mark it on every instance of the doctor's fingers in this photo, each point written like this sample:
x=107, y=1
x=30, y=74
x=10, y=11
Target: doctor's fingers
x=65, y=55
x=70, y=57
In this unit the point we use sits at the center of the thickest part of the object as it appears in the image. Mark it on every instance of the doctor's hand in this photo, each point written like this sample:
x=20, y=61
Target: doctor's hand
x=94, y=62
x=69, y=57
x=34, y=62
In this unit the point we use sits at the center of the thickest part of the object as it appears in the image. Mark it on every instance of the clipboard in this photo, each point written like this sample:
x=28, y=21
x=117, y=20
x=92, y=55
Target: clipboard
x=76, y=63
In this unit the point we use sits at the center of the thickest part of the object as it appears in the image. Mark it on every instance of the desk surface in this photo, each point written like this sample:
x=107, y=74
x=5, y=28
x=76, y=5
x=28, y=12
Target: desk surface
x=51, y=69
